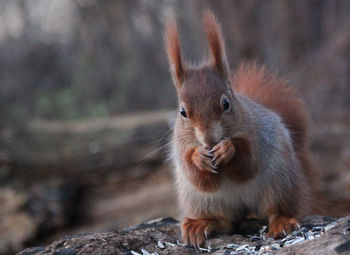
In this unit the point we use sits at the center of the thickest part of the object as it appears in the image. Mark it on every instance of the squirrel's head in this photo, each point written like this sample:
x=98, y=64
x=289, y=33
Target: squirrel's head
x=206, y=99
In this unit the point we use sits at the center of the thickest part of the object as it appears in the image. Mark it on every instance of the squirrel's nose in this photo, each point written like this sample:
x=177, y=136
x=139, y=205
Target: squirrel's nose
x=209, y=139
x=208, y=136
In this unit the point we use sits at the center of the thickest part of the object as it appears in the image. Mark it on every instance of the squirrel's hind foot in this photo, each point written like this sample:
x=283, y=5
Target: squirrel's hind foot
x=280, y=226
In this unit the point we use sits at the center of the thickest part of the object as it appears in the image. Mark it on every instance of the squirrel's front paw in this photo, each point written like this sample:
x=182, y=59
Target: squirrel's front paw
x=223, y=152
x=202, y=159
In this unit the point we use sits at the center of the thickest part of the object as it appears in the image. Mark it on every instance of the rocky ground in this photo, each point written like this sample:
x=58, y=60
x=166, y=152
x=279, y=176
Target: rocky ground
x=317, y=235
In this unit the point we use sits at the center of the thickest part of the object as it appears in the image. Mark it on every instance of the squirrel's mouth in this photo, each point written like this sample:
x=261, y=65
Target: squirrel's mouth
x=210, y=146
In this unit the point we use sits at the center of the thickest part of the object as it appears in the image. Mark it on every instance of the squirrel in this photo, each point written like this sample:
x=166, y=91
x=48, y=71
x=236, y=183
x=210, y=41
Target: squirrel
x=239, y=145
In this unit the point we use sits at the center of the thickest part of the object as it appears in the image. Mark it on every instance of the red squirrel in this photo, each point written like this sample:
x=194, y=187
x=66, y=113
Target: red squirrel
x=239, y=143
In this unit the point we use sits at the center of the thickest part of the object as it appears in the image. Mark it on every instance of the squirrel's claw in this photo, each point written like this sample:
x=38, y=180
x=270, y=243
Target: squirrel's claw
x=196, y=231
x=213, y=169
x=214, y=166
x=214, y=149
x=202, y=158
x=223, y=152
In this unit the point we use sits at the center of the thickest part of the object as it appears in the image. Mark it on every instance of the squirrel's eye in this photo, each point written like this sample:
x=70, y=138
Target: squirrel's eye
x=225, y=104
x=183, y=112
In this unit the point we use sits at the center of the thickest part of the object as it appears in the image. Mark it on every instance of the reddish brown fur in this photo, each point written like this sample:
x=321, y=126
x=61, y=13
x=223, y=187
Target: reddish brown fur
x=262, y=87
x=241, y=168
x=195, y=231
x=281, y=197
x=280, y=225
x=172, y=43
x=216, y=42
x=195, y=100
x=203, y=180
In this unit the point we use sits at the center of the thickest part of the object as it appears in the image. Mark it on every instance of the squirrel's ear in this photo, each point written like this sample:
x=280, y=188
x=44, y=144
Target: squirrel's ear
x=171, y=39
x=216, y=44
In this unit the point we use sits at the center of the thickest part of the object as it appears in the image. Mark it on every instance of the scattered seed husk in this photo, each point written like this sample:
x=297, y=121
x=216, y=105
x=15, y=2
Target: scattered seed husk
x=160, y=245
x=255, y=238
x=263, y=230
x=231, y=246
x=330, y=226
x=242, y=247
x=294, y=241
x=169, y=244
x=144, y=252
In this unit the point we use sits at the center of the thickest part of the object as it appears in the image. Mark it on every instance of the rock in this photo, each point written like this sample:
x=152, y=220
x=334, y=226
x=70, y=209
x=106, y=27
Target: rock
x=317, y=235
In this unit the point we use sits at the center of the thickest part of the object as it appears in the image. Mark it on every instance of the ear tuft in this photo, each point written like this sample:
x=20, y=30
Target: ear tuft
x=216, y=42
x=171, y=39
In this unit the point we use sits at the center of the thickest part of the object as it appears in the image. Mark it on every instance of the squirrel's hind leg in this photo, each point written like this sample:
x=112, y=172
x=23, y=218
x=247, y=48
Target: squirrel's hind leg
x=196, y=231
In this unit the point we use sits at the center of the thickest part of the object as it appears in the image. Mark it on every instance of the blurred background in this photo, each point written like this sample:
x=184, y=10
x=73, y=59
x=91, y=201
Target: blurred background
x=87, y=104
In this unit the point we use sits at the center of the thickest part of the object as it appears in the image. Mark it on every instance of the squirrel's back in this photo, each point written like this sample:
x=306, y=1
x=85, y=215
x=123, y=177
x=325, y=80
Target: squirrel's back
x=265, y=89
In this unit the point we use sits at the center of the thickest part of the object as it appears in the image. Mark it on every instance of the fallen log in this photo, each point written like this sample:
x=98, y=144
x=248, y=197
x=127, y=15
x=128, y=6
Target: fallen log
x=83, y=148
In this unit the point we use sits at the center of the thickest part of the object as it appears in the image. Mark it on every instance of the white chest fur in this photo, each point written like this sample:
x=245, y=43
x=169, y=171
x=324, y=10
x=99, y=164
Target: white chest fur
x=228, y=200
